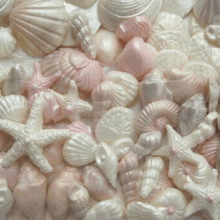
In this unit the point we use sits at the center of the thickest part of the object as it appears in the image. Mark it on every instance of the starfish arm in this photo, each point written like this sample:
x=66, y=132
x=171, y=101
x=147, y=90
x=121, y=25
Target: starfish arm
x=195, y=189
x=36, y=155
x=13, y=128
x=48, y=136
x=162, y=151
x=174, y=163
x=72, y=94
x=50, y=80
x=189, y=156
x=15, y=152
x=192, y=207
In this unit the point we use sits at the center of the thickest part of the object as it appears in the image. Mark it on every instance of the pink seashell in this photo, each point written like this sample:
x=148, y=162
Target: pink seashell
x=96, y=183
x=79, y=127
x=10, y=174
x=136, y=58
x=138, y=26
x=30, y=192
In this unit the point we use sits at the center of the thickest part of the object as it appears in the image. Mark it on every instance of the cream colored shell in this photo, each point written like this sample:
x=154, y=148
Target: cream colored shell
x=5, y=8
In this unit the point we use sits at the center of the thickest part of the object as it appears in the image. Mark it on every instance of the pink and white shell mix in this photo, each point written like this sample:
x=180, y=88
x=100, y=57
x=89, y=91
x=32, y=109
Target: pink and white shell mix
x=122, y=126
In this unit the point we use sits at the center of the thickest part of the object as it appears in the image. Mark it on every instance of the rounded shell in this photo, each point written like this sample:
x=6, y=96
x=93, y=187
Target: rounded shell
x=40, y=26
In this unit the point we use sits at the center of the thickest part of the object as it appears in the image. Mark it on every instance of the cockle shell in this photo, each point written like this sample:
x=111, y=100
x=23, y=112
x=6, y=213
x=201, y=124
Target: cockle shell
x=82, y=3
x=154, y=87
x=192, y=112
x=156, y=115
x=30, y=192
x=8, y=42
x=108, y=210
x=97, y=184
x=5, y=9
x=138, y=26
x=212, y=34
x=39, y=25
x=6, y=199
x=79, y=127
x=14, y=108
x=83, y=35
x=213, y=95
x=152, y=169
x=112, y=13
x=16, y=80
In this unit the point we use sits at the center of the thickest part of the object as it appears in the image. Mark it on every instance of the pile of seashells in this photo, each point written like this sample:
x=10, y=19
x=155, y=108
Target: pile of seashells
x=119, y=118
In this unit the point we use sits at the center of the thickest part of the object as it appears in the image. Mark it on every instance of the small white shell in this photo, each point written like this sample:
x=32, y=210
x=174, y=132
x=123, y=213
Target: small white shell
x=107, y=162
x=8, y=42
x=213, y=95
x=82, y=3
x=5, y=9
x=106, y=210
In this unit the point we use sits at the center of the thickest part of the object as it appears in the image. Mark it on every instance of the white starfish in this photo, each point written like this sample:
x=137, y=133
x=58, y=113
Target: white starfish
x=30, y=138
x=205, y=196
x=177, y=150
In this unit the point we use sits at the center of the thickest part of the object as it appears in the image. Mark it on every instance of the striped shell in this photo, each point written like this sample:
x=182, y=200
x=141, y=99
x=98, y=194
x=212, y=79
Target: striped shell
x=5, y=9
x=39, y=25
x=156, y=115
x=79, y=127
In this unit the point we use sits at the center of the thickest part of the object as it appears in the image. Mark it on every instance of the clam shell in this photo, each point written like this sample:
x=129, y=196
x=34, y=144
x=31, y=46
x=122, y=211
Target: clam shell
x=39, y=26
x=5, y=8
x=8, y=42
x=156, y=115
x=14, y=108
x=212, y=34
x=113, y=12
x=82, y=3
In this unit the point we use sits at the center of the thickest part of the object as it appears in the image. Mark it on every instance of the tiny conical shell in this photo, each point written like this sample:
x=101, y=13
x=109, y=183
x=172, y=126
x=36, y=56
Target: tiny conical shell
x=213, y=95
x=108, y=210
x=8, y=42
x=5, y=8
x=39, y=26
x=156, y=115
x=192, y=112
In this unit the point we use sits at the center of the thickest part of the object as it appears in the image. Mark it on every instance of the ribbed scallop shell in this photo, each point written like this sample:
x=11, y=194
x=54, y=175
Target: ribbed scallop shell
x=156, y=115
x=79, y=127
x=40, y=26
x=108, y=210
x=14, y=108
x=8, y=42
x=79, y=150
x=113, y=12
x=5, y=9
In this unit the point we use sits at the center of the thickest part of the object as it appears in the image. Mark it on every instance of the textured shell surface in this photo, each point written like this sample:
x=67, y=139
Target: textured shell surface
x=107, y=162
x=79, y=150
x=156, y=115
x=80, y=127
x=215, y=59
x=8, y=42
x=112, y=13
x=14, y=108
x=108, y=210
x=207, y=12
x=213, y=95
x=5, y=8
x=39, y=26
x=116, y=123
x=192, y=113
x=82, y=3
x=212, y=33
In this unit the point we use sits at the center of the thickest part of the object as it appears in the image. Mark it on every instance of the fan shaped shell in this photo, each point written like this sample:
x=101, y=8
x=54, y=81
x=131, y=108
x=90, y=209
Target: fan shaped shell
x=40, y=26
x=5, y=8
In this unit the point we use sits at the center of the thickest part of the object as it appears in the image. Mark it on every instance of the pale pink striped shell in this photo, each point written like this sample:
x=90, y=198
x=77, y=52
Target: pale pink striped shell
x=79, y=127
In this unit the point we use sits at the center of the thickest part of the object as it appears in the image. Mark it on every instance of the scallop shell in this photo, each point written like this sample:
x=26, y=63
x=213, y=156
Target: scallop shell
x=108, y=210
x=6, y=199
x=207, y=12
x=153, y=88
x=79, y=127
x=212, y=34
x=5, y=9
x=14, y=108
x=83, y=35
x=16, y=80
x=156, y=115
x=97, y=184
x=39, y=26
x=82, y=3
x=112, y=13
x=192, y=112
x=79, y=150
x=213, y=95
x=107, y=162
x=8, y=42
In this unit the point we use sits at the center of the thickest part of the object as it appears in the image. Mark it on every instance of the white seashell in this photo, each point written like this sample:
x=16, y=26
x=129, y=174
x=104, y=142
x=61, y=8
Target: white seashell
x=39, y=25
x=8, y=42
x=167, y=60
x=156, y=115
x=6, y=199
x=82, y=3
x=153, y=88
x=213, y=95
x=112, y=13
x=97, y=184
x=16, y=80
x=5, y=9
x=79, y=150
x=107, y=162
x=147, y=142
x=82, y=32
x=14, y=108
x=207, y=12
x=116, y=123
x=212, y=34
x=192, y=112
x=215, y=59
x=106, y=210
x=152, y=169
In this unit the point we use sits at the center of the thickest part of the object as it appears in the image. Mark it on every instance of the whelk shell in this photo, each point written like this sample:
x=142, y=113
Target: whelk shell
x=39, y=26
x=5, y=9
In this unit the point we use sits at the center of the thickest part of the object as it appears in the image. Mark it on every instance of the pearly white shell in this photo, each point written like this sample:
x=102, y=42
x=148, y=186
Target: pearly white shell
x=8, y=42
x=82, y=3
x=5, y=9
